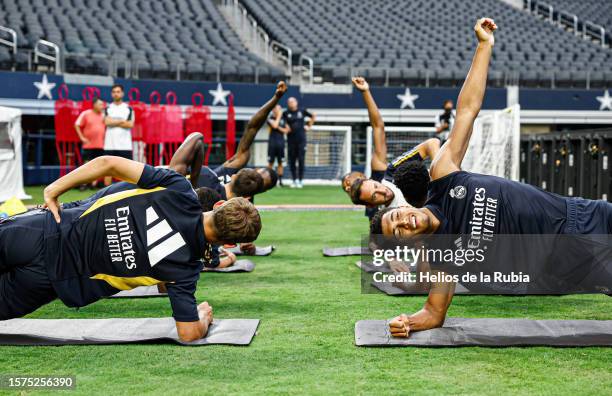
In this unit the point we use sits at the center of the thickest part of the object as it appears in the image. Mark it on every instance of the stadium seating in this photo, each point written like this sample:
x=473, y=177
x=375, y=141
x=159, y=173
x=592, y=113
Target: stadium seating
x=597, y=11
x=414, y=42
x=156, y=36
x=431, y=42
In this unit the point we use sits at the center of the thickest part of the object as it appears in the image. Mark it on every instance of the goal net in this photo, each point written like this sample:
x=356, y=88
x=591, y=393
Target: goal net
x=495, y=144
x=328, y=154
x=399, y=139
x=493, y=149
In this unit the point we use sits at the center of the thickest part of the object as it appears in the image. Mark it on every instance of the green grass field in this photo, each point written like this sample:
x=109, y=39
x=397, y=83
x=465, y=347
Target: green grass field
x=308, y=306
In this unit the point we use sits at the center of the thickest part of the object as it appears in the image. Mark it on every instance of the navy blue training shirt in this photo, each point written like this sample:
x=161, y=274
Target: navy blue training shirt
x=211, y=179
x=134, y=237
x=562, y=242
x=295, y=121
x=474, y=204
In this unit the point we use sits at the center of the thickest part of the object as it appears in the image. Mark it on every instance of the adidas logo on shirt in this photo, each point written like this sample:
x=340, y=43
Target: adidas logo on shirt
x=161, y=230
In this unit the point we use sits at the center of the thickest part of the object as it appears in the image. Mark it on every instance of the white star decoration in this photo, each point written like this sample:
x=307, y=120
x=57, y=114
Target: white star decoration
x=44, y=88
x=605, y=100
x=407, y=99
x=219, y=95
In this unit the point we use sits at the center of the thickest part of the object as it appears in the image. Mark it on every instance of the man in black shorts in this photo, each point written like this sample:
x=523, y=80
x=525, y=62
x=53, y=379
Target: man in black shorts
x=294, y=118
x=276, y=142
x=403, y=180
x=231, y=179
x=152, y=234
x=479, y=211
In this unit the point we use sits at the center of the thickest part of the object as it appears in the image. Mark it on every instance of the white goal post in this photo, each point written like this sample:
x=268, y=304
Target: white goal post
x=495, y=144
x=493, y=150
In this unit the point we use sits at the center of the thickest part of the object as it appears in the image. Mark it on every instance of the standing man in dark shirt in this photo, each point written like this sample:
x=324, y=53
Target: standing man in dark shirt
x=152, y=234
x=276, y=142
x=294, y=118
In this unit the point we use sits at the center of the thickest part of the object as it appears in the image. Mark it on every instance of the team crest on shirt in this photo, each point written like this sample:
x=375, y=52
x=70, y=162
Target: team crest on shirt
x=458, y=192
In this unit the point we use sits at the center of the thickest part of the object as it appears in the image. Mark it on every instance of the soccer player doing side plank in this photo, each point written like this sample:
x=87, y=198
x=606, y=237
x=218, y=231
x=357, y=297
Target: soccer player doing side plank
x=515, y=208
x=154, y=233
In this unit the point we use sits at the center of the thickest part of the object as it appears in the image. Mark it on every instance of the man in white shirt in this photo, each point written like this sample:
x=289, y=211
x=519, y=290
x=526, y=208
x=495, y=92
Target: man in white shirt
x=119, y=120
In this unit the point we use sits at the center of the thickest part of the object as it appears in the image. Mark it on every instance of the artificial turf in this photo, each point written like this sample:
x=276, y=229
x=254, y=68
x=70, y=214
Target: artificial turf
x=308, y=306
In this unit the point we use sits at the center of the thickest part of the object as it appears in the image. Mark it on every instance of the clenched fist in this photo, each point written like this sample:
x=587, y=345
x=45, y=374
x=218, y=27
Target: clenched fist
x=361, y=84
x=281, y=88
x=484, y=29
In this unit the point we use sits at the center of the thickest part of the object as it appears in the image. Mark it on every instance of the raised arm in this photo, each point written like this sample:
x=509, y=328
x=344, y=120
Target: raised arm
x=242, y=155
x=119, y=168
x=379, y=157
x=429, y=148
x=468, y=105
x=189, y=155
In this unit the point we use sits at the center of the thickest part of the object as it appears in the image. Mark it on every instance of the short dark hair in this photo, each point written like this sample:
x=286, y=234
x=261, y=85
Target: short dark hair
x=118, y=86
x=376, y=222
x=447, y=101
x=273, y=178
x=208, y=198
x=349, y=174
x=248, y=182
x=356, y=192
x=412, y=179
x=96, y=99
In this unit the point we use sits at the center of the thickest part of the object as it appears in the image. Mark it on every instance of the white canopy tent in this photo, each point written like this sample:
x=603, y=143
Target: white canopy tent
x=11, y=167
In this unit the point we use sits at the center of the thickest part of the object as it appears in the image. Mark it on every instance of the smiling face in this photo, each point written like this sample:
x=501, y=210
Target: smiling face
x=405, y=222
x=374, y=193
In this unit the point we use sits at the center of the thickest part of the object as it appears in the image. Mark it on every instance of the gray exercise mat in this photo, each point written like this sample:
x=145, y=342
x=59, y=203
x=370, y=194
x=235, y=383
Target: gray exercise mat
x=391, y=290
x=367, y=266
x=346, y=251
x=140, y=292
x=491, y=332
x=238, y=266
x=119, y=331
x=259, y=251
